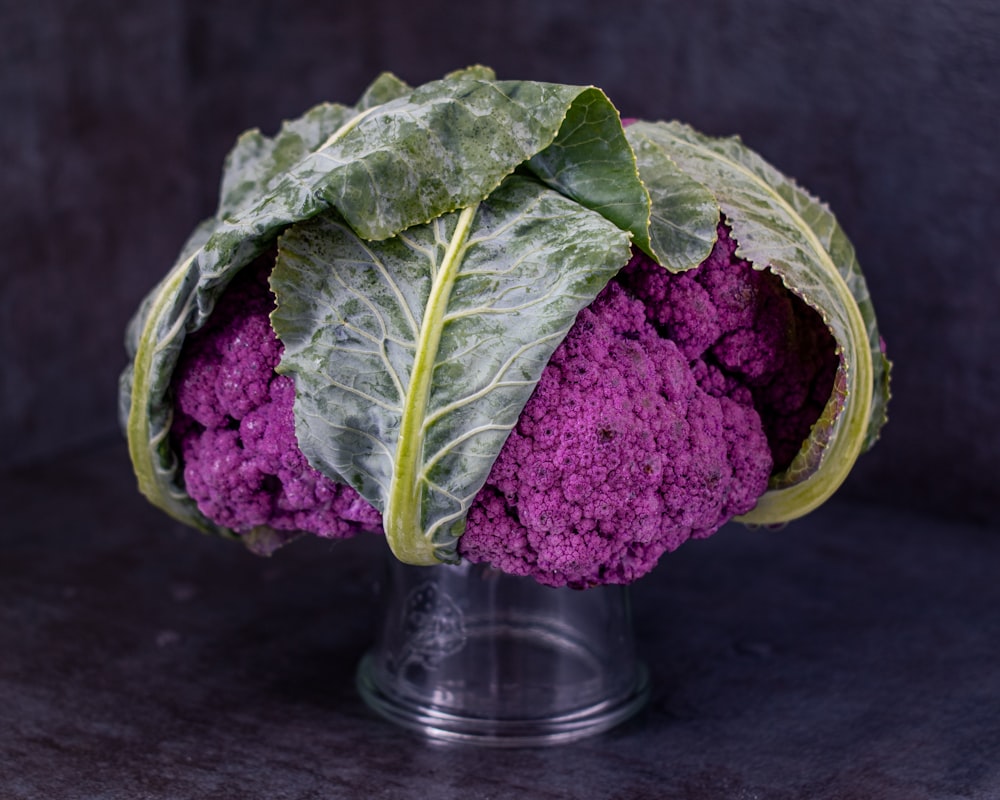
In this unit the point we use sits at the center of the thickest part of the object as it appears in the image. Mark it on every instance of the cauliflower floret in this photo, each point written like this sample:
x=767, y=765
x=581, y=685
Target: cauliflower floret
x=740, y=326
x=235, y=432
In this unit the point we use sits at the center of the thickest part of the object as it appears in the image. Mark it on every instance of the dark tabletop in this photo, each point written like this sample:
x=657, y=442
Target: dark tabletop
x=855, y=654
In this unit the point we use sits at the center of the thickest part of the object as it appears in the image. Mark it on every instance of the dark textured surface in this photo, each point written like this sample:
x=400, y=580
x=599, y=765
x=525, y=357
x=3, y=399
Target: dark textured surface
x=115, y=116
x=852, y=656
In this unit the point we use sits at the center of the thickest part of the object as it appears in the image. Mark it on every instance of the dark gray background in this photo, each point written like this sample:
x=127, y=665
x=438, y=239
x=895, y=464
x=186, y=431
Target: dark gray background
x=115, y=116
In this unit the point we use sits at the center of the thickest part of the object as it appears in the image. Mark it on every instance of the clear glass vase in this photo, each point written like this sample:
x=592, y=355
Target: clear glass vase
x=469, y=654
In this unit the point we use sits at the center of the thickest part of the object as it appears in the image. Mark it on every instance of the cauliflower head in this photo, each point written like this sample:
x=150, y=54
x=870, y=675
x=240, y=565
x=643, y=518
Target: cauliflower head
x=661, y=416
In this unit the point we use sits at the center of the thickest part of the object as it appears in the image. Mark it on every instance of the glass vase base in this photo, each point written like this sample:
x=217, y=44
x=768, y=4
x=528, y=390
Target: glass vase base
x=442, y=725
x=469, y=655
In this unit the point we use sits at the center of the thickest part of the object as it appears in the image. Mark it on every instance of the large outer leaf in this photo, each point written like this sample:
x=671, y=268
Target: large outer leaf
x=780, y=226
x=400, y=157
x=414, y=356
x=448, y=144
x=434, y=149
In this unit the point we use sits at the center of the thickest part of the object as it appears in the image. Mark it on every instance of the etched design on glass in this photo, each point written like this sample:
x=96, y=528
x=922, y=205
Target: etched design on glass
x=433, y=628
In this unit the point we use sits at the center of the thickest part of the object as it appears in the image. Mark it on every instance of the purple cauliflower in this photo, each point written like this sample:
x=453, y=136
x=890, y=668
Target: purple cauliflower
x=661, y=416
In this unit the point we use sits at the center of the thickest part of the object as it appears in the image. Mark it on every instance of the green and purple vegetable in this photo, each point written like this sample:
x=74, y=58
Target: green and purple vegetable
x=492, y=321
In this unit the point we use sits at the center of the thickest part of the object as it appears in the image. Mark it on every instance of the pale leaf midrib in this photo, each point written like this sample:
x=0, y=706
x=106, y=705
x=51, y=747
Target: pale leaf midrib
x=402, y=519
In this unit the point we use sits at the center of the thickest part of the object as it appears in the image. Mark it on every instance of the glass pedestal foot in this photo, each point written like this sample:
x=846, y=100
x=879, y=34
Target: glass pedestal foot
x=469, y=654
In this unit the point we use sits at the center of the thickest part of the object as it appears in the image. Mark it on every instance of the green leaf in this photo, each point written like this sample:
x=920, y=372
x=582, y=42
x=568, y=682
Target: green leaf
x=449, y=143
x=434, y=149
x=414, y=356
x=781, y=227
x=591, y=161
x=684, y=214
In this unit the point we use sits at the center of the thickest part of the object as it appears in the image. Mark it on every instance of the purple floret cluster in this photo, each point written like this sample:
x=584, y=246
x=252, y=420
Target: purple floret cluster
x=234, y=429
x=740, y=327
x=661, y=416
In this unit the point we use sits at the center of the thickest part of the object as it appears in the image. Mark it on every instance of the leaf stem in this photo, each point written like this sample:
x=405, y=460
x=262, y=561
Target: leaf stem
x=402, y=518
